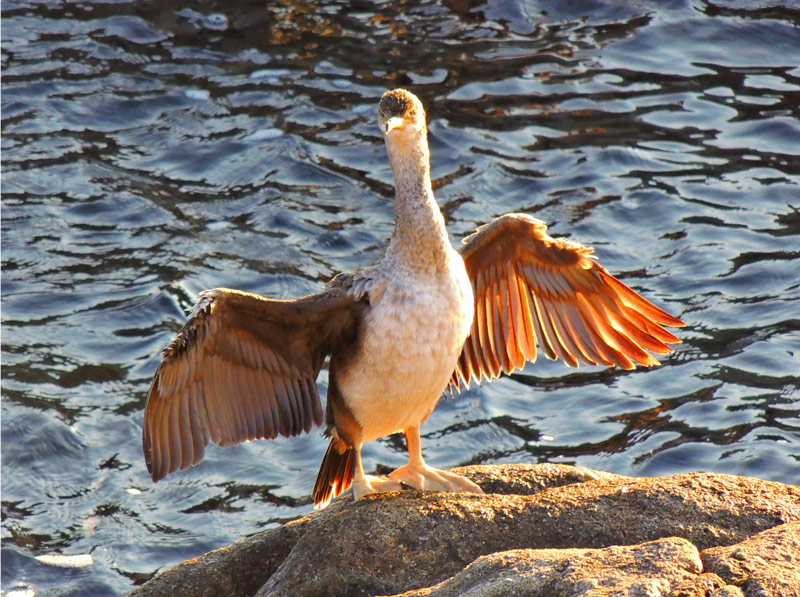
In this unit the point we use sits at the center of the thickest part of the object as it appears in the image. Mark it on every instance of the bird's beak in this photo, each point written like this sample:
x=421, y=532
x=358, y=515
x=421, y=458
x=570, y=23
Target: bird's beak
x=395, y=123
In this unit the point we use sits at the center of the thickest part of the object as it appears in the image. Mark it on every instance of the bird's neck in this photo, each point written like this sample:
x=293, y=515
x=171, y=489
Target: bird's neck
x=419, y=233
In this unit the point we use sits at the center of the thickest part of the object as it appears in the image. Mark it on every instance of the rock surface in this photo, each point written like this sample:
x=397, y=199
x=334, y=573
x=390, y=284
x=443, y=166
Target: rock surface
x=765, y=564
x=540, y=530
x=648, y=569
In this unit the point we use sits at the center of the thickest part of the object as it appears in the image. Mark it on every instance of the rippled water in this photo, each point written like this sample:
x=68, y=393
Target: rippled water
x=154, y=149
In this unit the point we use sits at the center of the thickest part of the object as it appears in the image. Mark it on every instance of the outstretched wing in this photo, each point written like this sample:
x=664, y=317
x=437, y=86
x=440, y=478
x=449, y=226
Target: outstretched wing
x=531, y=289
x=243, y=367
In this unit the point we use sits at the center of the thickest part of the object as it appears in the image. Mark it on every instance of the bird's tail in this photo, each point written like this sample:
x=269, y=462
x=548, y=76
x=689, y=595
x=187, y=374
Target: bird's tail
x=335, y=474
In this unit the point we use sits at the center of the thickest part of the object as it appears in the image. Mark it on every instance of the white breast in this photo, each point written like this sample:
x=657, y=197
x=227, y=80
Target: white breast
x=410, y=341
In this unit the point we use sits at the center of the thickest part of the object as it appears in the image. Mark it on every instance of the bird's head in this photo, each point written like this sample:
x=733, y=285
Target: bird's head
x=401, y=115
x=402, y=120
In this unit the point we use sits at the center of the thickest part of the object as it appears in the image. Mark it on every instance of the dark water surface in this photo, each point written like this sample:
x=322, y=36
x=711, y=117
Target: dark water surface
x=154, y=149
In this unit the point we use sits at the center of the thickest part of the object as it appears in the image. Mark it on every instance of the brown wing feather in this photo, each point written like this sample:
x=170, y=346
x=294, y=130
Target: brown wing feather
x=243, y=367
x=533, y=289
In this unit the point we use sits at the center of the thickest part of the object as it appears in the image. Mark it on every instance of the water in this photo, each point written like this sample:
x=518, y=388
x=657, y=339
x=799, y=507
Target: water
x=154, y=149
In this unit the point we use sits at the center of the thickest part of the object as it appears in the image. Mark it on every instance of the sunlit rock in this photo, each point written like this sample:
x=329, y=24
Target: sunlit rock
x=537, y=520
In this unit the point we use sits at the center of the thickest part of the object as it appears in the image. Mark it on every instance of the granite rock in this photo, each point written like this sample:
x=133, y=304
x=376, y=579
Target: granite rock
x=652, y=568
x=766, y=564
x=405, y=541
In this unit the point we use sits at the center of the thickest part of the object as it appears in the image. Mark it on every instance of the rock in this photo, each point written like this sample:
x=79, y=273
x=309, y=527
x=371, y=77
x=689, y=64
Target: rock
x=405, y=541
x=436, y=535
x=766, y=564
x=727, y=591
x=239, y=569
x=529, y=479
x=653, y=568
x=243, y=567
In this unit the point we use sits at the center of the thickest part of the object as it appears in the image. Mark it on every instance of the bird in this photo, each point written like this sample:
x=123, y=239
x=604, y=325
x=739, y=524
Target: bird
x=421, y=317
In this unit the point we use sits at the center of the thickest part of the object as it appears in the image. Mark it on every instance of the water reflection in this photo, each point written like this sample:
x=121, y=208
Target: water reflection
x=151, y=150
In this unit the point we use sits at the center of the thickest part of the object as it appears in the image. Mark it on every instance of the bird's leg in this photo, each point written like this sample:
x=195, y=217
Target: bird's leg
x=419, y=475
x=366, y=484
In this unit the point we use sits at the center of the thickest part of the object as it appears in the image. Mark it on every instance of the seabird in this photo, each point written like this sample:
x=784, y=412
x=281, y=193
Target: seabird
x=398, y=331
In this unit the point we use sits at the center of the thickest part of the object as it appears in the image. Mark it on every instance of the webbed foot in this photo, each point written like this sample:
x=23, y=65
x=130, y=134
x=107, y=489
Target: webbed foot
x=426, y=478
x=372, y=484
